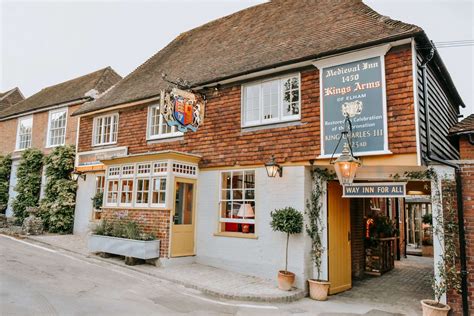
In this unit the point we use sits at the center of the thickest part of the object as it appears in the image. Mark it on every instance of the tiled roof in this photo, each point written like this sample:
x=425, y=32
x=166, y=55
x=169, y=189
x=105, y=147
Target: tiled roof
x=464, y=127
x=10, y=97
x=71, y=90
x=257, y=38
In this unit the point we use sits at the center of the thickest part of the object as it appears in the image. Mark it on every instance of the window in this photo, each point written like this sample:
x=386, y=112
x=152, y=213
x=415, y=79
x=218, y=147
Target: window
x=105, y=129
x=184, y=169
x=237, y=201
x=271, y=101
x=143, y=189
x=126, y=189
x=25, y=125
x=99, y=188
x=157, y=126
x=158, y=193
x=57, y=128
x=112, y=192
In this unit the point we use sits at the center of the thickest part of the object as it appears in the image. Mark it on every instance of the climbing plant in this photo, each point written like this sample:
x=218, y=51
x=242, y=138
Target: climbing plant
x=57, y=206
x=28, y=183
x=5, y=170
x=314, y=204
x=446, y=230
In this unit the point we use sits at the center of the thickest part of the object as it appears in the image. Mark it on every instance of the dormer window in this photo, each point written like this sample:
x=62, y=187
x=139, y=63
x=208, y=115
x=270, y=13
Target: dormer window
x=271, y=101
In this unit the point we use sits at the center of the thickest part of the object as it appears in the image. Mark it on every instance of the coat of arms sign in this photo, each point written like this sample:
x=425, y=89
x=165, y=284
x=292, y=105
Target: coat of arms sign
x=182, y=109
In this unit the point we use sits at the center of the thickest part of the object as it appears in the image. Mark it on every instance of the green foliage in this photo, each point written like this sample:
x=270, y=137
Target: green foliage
x=315, y=227
x=28, y=183
x=57, y=206
x=122, y=228
x=289, y=221
x=5, y=170
x=427, y=219
x=97, y=200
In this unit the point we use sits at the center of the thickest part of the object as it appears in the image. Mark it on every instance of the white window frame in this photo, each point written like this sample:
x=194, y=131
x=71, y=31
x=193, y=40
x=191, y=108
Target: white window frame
x=17, y=143
x=115, y=117
x=160, y=135
x=48, y=135
x=152, y=185
x=221, y=200
x=280, y=118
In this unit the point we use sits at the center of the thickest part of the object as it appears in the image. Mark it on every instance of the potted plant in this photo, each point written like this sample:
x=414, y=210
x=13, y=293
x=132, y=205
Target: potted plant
x=289, y=221
x=448, y=276
x=318, y=289
x=97, y=201
x=125, y=238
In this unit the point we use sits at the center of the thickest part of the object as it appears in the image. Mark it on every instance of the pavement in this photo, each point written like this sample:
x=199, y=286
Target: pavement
x=395, y=293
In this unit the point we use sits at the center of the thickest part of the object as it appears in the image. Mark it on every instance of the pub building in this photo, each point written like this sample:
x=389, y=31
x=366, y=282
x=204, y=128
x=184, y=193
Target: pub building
x=225, y=124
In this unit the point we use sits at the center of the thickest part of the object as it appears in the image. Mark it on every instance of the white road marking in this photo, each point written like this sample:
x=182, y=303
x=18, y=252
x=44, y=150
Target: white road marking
x=230, y=304
x=29, y=244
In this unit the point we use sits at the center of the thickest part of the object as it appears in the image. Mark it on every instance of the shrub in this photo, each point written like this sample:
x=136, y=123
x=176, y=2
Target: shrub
x=57, y=206
x=287, y=220
x=5, y=170
x=121, y=228
x=97, y=200
x=28, y=183
x=427, y=219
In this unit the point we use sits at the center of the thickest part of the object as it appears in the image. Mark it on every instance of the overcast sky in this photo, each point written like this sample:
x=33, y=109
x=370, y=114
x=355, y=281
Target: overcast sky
x=47, y=42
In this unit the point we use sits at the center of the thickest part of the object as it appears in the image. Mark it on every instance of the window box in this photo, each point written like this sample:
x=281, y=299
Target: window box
x=142, y=249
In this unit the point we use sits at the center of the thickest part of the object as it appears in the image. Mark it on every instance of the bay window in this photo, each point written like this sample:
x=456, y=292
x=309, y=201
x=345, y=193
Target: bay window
x=157, y=126
x=24, y=132
x=105, y=129
x=57, y=128
x=112, y=192
x=237, y=201
x=158, y=193
x=271, y=101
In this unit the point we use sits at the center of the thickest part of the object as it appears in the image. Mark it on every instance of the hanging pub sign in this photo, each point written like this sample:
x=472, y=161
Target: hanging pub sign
x=182, y=109
x=357, y=89
x=367, y=190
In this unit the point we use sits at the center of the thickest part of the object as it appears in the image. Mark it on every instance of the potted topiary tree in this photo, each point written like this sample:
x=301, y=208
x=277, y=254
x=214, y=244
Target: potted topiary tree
x=290, y=221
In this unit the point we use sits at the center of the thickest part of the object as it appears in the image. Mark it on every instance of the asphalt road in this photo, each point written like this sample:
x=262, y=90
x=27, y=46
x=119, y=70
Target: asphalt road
x=36, y=280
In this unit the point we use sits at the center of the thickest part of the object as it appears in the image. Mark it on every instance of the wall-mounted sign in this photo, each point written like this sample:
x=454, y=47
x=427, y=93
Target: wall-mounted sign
x=92, y=158
x=182, y=109
x=358, y=86
x=382, y=189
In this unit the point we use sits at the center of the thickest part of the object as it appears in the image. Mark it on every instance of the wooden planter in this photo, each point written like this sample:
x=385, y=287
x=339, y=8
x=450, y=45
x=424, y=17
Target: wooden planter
x=140, y=249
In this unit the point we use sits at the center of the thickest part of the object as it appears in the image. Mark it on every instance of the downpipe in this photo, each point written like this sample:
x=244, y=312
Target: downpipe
x=459, y=198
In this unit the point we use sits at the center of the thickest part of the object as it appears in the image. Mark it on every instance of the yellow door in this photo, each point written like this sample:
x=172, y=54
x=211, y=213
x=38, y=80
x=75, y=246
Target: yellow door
x=182, y=232
x=339, y=250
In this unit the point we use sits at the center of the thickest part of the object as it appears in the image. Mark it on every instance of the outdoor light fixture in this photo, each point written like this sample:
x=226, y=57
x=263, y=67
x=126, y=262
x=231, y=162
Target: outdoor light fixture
x=77, y=174
x=346, y=164
x=273, y=168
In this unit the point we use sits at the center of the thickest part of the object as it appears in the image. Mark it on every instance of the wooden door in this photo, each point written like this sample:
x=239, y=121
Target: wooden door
x=339, y=250
x=182, y=232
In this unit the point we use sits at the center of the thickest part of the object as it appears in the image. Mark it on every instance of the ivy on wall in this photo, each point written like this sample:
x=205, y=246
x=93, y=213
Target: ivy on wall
x=5, y=170
x=28, y=183
x=57, y=206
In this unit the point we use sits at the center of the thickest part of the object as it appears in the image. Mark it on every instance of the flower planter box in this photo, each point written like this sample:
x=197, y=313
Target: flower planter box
x=141, y=249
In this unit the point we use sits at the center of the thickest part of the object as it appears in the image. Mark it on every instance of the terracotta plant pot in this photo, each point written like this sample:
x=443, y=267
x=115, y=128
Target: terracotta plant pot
x=318, y=290
x=432, y=308
x=285, y=280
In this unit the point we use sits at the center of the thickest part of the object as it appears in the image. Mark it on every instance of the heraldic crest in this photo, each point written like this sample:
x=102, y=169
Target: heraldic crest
x=182, y=109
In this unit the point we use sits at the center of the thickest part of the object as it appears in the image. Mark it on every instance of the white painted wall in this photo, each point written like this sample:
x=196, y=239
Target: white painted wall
x=83, y=211
x=264, y=256
x=11, y=190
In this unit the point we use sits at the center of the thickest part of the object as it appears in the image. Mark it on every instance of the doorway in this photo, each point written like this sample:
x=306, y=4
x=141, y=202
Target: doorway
x=339, y=250
x=182, y=231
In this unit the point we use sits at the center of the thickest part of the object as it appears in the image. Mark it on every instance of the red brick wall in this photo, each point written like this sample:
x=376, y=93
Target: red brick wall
x=155, y=222
x=222, y=142
x=466, y=150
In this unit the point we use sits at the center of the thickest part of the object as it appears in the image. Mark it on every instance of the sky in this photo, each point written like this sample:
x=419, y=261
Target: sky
x=47, y=42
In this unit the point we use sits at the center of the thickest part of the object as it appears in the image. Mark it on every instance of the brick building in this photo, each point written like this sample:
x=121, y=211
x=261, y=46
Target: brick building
x=271, y=80
x=44, y=119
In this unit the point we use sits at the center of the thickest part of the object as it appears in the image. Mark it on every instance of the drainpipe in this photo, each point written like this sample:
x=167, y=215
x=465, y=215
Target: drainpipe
x=459, y=199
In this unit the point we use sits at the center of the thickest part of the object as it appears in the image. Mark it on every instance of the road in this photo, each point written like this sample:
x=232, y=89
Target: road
x=35, y=280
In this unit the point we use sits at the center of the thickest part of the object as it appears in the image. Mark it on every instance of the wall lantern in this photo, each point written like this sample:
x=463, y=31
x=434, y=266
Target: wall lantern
x=346, y=164
x=77, y=174
x=273, y=168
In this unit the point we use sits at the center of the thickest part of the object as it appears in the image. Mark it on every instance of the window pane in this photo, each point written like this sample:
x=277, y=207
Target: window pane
x=126, y=189
x=270, y=100
x=252, y=103
x=291, y=97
